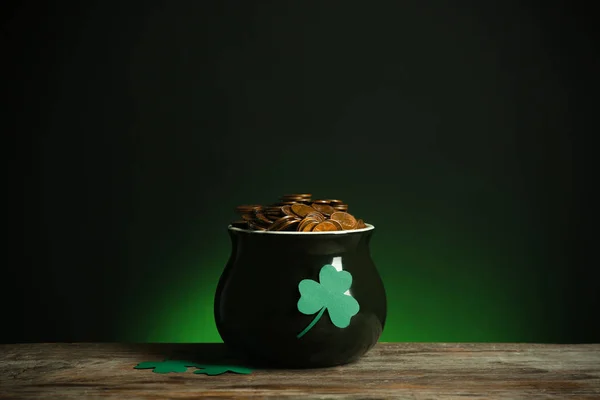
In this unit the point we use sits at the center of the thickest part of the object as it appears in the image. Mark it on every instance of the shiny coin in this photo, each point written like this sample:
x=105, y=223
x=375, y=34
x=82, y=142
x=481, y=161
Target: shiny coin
x=281, y=222
x=297, y=196
x=301, y=209
x=287, y=210
x=297, y=212
x=316, y=215
x=337, y=224
x=340, y=207
x=305, y=222
x=273, y=210
x=288, y=225
x=291, y=225
x=347, y=221
x=326, y=226
x=309, y=226
x=324, y=209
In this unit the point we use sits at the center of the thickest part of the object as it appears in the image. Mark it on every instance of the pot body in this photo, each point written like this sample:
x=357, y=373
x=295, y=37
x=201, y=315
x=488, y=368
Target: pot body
x=258, y=308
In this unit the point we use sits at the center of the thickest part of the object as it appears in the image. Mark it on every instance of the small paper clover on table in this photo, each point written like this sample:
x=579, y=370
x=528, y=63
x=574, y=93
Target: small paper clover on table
x=167, y=366
x=328, y=294
x=221, y=369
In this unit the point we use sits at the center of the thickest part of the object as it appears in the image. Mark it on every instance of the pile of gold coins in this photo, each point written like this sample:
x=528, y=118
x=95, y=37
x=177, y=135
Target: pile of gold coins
x=298, y=212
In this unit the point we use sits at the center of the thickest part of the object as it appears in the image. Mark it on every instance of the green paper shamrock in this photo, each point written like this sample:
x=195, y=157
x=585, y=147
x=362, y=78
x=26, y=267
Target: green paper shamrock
x=221, y=369
x=328, y=294
x=166, y=366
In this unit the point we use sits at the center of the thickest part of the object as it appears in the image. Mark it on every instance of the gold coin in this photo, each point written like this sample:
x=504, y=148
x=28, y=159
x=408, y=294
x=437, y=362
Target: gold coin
x=327, y=226
x=340, y=207
x=324, y=209
x=287, y=210
x=316, y=215
x=281, y=222
x=301, y=209
x=309, y=227
x=337, y=224
x=273, y=211
x=290, y=225
x=347, y=221
x=296, y=211
x=305, y=222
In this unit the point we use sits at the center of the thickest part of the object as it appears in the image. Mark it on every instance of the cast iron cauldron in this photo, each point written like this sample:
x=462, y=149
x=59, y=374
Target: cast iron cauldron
x=300, y=299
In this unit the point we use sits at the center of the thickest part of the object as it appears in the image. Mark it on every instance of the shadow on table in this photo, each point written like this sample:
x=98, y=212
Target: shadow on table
x=201, y=353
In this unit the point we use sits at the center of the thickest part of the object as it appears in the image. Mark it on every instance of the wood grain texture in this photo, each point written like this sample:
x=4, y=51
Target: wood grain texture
x=389, y=371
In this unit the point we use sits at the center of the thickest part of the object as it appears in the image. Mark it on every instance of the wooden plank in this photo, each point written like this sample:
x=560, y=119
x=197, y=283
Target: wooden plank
x=390, y=370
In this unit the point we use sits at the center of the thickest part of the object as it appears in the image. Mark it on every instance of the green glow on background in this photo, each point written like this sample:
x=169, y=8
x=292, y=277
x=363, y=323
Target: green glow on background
x=180, y=310
x=428, y=303
x=444, y=281
x=462, y=141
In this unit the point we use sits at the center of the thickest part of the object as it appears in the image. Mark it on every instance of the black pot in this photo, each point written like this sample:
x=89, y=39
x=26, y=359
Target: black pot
x=333, y=317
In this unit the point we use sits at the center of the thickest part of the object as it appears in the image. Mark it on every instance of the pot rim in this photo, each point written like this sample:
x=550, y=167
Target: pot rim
x=348, y=232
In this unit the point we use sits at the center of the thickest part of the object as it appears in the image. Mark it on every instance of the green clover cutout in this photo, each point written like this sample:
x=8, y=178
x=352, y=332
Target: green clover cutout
x=328, y=294
x=166, y=366
x=221, y=369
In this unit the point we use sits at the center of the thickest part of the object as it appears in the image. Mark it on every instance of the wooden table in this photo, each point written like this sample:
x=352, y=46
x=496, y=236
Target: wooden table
x=390, y=370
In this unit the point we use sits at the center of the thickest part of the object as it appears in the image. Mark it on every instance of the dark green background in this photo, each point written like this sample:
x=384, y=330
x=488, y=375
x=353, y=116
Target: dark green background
x=459, y=129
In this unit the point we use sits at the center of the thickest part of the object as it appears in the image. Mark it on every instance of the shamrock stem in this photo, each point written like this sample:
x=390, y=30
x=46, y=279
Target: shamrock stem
x=314, y=321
